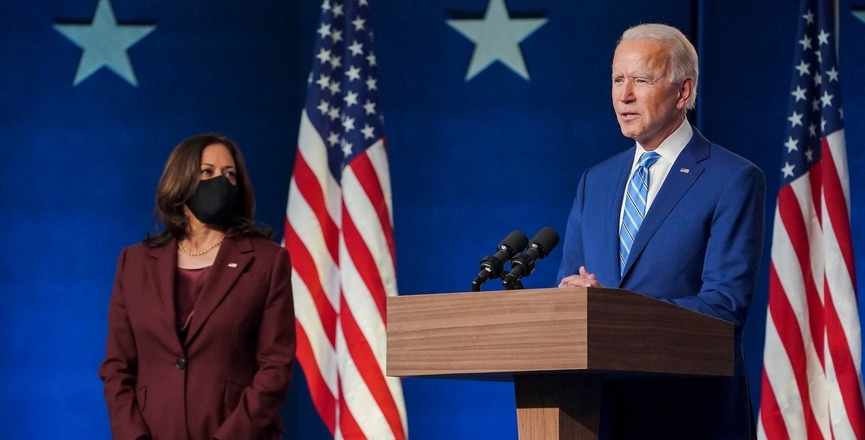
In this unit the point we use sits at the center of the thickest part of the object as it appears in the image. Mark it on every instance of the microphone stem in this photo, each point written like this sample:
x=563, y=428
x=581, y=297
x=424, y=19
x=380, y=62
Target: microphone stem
x=512, y=283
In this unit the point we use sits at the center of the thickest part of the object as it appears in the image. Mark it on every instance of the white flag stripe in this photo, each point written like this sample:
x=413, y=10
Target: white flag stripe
x=761, y=432
x=792, y=281
x=314, y=152
x=378, y=157
x=332, y=148
x=816, y=171
x=365, y=219
x=841, y=427
x=783, y=382
x=802, y=189
x=324, y=354
x=841, y=286
x=309, y=232
x=363, y=407
x=784, y=255
x=395, y=386
x=364, y=311
x=838, y=146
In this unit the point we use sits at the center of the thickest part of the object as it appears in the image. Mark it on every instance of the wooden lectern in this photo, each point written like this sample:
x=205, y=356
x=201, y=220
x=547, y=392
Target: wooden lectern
x=556, y=345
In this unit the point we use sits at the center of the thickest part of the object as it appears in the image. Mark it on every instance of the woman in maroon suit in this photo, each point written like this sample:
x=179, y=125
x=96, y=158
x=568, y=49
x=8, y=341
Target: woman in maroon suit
x=201, y=322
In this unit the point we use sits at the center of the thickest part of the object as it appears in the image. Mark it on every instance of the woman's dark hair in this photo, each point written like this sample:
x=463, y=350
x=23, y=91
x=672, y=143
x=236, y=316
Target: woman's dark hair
x=179, y=182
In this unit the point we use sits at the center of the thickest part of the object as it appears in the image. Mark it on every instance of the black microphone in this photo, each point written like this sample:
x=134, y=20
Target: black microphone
x=523, y=264
x=493, y=265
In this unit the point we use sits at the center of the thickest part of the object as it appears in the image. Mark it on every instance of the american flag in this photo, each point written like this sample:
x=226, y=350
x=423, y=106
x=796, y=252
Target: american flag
x=339, y=233
x=812, y=377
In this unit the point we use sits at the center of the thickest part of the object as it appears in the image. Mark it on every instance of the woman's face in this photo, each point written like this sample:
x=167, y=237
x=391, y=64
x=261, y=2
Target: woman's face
x=216, y=161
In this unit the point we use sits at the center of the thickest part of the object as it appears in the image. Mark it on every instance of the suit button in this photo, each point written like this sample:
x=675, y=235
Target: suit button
x=180, y=363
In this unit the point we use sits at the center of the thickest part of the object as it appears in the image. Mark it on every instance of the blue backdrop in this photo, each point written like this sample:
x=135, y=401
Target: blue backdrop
x=470, y=160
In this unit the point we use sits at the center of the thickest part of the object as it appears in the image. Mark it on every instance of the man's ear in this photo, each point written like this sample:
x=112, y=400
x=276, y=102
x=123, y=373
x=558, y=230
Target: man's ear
x=685, y=92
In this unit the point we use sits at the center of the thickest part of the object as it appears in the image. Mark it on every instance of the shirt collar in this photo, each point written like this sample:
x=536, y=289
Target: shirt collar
x=673, y=144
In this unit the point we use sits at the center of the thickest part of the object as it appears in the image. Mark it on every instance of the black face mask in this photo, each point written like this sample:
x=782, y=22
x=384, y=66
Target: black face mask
x=214, y=200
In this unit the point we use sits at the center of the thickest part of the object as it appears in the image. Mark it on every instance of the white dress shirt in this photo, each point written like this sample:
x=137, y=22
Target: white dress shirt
x=669, y=151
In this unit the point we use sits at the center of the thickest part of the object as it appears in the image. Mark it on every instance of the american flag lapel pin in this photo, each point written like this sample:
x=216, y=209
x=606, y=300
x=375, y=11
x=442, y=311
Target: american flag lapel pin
x=232, y=264
x=684, y=170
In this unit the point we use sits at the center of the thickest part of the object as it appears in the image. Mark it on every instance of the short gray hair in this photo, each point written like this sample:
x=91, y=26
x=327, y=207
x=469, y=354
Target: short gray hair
x=683, y=56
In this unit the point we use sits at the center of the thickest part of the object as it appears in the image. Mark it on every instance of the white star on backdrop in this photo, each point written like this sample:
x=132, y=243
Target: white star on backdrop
x=497, y=37
x=104, y=43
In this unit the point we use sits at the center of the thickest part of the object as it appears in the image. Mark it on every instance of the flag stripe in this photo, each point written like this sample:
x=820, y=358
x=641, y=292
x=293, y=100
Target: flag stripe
x=359, y=401
x=368, y=179
x=306, y=271
x=845, y=371
x=323, y=353
x=309, y=188
x=837, y=208
x=365, y=266
x=322, y=398
x=792, y=218
x=348, y=427
x=339, y=231
x=784, y=318
x=373, y=376
x=780, y=376
x=377, y=154
x=772, y=425
x=813, y=349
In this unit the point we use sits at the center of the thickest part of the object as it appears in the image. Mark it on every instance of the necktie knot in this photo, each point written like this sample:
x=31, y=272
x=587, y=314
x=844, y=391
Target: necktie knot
x=648, y=159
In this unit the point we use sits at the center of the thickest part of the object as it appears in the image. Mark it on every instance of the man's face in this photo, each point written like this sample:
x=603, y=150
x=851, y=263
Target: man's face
x=648, y=107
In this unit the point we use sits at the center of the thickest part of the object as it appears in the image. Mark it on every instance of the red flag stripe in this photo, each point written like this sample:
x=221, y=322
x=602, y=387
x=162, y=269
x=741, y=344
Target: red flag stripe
x=378, y=159
x=374, y=226
x=792, y=217
x=340, y=225
x=368, y=178
x=772, y=421
x=782, y=315
x=836, y=205
x=815, y=187
x=303, y=266
x=349, y=429
x=365, y=264
x=311, y=191
x=812, y=222
x=845, y=370
x=322, y=397
x=369, y=368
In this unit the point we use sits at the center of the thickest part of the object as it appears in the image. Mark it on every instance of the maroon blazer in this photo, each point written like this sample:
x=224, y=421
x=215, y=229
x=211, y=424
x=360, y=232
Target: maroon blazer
x=231, y=376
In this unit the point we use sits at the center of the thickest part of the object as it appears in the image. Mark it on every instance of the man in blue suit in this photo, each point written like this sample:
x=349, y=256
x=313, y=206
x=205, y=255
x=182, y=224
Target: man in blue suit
x=675, y=217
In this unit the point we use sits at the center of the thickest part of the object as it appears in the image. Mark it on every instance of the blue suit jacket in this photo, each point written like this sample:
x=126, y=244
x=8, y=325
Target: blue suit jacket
x=699, y=247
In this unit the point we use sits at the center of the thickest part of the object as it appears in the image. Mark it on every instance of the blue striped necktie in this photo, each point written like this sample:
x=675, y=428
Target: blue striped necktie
x=636, y=195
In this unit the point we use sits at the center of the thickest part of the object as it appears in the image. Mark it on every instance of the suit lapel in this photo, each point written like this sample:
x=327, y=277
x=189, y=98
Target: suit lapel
x=612, y=213
x=677, y=183
x=161, y=267
x=233, y=258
